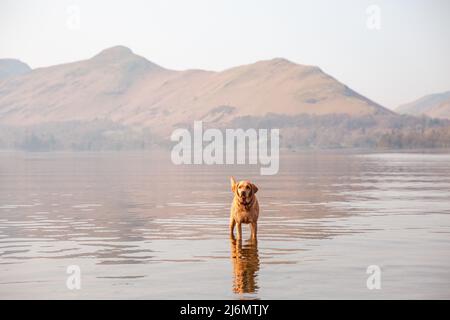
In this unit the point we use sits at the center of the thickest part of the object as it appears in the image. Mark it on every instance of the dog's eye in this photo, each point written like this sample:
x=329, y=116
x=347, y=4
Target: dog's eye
x=247, y=187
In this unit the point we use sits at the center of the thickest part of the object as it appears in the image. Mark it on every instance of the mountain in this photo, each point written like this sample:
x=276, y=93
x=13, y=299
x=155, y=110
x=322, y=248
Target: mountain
x=12, y=67
x=120, y=86
x=434, y=105
x=120, y=100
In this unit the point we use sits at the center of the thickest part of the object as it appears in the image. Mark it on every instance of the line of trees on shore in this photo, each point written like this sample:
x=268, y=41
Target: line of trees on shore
x=296, y=132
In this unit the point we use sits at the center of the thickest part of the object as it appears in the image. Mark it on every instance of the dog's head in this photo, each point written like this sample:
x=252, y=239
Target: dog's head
x=245, y=190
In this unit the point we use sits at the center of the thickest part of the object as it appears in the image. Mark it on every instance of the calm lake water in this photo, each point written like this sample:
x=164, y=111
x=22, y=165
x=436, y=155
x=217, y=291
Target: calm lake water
x=140, y=227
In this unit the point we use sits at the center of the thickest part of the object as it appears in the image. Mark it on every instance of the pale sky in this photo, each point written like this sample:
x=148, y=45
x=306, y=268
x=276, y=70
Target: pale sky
x=408, y=57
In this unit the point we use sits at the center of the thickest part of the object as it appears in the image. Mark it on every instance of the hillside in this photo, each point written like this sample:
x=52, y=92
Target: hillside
x=120, y=100
x=434, y=105
x=12, y=67
x=122, y=87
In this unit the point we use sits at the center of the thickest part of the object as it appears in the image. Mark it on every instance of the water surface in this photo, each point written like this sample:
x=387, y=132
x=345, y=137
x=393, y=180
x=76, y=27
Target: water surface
x=140, y=227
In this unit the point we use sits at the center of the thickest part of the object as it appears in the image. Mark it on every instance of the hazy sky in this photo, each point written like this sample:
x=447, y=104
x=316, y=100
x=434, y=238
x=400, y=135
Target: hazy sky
x=407, y=57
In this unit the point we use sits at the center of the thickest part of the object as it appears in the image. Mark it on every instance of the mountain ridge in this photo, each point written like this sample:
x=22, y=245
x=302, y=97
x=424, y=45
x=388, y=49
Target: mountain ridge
x=119, y=85
x=436, y=105
x=12, y=67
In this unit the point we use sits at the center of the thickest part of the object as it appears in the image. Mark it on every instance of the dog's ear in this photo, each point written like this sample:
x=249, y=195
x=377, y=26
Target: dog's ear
x=254, y=188
x=233, y=184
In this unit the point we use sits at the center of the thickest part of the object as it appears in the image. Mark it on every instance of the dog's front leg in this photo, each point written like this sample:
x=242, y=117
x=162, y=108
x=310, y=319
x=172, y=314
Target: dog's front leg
x=239, y=231
x=254, y=228
x=232, y=223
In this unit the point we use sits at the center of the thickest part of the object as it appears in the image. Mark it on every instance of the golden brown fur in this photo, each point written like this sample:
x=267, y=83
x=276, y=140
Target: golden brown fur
x=245, y=208
x=245, y=260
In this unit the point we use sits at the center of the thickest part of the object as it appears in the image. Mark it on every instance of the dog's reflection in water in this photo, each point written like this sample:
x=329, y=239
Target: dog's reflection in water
x=245, y=261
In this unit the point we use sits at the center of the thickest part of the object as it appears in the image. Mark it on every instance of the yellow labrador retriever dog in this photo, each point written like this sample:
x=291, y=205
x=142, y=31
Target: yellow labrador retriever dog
x=245, y=207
